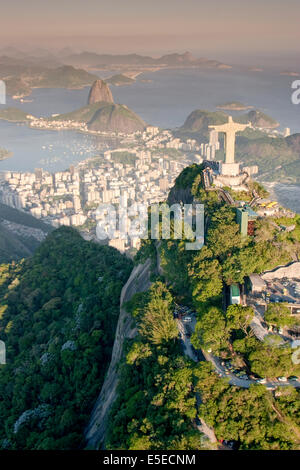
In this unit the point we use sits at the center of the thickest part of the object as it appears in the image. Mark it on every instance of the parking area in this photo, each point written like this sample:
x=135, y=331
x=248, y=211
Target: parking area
x=186, y=320
x=182, y=311
x=241, y=378
x=283, y=290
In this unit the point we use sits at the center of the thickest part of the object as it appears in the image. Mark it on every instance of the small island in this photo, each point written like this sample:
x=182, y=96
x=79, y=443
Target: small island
x=120, y=80
x=5, y=154
x=290, y=73
x=234, y=106
x=15, y=115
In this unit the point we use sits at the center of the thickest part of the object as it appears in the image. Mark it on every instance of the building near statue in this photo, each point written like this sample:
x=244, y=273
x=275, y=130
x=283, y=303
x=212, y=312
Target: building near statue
x=258, y=285
x=245, y=217
x=251, y=170
x=235, y=296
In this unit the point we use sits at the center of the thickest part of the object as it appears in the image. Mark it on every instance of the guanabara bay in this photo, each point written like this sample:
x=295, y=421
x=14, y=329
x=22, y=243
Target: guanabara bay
x=149, y=232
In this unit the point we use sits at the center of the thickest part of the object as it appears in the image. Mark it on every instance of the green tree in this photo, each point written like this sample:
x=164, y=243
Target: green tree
x=279, y=314
x=239, y=317
x=158, y=324
x=206, y=276
x=223, y=235
x=272, y=361
x=210, y=331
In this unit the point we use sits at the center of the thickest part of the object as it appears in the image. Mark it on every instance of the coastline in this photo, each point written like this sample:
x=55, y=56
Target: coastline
x=6, y=156
x=20, y=97
x=286, y=194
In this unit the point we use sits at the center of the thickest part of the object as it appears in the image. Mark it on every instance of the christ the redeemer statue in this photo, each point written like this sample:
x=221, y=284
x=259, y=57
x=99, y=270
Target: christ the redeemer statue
x=230, y=129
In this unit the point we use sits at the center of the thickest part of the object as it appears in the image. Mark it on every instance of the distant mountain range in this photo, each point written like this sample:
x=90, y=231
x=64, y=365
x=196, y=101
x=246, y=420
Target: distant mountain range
x=22, y=75
x=92, y=59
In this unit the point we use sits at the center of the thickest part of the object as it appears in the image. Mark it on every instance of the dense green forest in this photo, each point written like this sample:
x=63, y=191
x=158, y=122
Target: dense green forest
x=58, y=314
x=252, y=417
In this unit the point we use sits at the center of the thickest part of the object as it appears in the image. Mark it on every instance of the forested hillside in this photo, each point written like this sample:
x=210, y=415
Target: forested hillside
x=163, y=395
x=58, y=313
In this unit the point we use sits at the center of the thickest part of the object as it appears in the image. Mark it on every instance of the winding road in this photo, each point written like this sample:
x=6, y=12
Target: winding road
x=190, y=352
x=216, y=362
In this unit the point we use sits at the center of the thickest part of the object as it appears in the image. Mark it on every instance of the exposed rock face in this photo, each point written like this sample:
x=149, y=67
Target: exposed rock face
x=100, y=92
x=116, y=118
x=178, y=195
x=139, y=281
x=290, y=271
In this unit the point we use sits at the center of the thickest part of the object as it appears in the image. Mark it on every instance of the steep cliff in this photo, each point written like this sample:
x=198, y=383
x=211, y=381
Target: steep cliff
x=139, y=281
x=100, y=92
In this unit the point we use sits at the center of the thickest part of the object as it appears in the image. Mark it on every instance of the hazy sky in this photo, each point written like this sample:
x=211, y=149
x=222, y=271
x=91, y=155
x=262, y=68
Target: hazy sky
x=212, y=27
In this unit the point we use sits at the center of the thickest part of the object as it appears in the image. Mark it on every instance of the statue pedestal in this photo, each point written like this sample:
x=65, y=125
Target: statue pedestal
x=230, y=169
